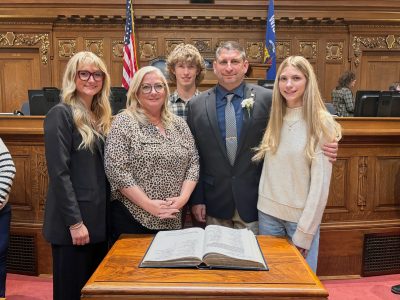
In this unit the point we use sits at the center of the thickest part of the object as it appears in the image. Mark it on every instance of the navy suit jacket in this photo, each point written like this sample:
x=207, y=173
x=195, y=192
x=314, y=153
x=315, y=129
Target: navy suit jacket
x=223, y=187
x=78, y=189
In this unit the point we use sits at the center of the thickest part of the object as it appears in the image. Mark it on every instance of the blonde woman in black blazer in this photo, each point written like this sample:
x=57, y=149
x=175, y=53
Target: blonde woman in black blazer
x=75, y=213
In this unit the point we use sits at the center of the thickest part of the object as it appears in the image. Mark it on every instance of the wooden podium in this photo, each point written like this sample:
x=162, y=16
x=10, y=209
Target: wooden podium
x=118, y=276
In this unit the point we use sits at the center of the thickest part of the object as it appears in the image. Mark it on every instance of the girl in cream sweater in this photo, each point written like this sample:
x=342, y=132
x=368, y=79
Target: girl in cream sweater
x=295, y=178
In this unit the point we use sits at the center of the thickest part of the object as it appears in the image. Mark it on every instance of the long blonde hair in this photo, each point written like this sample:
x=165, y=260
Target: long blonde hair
x=321, y=126
x=133, y=105
x=100, y=105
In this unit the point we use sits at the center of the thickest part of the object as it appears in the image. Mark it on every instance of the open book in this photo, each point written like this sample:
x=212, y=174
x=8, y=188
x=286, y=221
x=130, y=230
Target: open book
x=213, y=247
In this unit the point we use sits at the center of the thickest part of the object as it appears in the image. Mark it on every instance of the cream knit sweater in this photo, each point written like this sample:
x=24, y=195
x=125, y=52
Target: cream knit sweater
x=292, y=187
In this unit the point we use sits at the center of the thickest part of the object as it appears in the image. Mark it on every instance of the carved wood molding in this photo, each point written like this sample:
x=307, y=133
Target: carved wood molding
x=42, y=178
x=66, y=48
x=95, y=46
x=180, y=7
x=147, y=50
x=363, y=43
x=203, y=45
x=195, y=20
x=255, y=51
x=362, y=182
x=170, y=45
x=309, y=49
x=118, y=48
x=283, y=49
x=30, y=40
x=334, y=52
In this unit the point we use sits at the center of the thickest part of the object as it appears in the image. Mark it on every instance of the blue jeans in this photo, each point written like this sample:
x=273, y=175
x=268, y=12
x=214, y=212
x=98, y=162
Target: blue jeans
x=269, y=225
x=5, y=219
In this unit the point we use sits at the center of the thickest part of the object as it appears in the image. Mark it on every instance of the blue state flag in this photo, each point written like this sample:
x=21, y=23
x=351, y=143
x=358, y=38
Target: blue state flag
x=269, y=50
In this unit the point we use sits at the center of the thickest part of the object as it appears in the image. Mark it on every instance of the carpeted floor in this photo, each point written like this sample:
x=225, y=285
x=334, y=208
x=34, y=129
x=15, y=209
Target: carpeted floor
x=21, y=287
x=367, y=288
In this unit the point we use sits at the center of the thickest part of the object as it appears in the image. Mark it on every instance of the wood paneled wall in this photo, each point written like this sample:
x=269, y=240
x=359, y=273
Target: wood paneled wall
x=38, y=37
x=364, y=195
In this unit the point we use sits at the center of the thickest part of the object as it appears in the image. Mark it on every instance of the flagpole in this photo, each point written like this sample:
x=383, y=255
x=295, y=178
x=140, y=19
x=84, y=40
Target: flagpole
x=130, y=65
x=134, y=39
x=269, y=49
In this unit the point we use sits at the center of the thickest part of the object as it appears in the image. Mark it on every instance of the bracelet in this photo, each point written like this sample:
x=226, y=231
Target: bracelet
x=76, y=226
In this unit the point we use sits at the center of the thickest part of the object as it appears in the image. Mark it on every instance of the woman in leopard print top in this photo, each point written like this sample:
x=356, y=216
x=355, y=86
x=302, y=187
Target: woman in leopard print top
x=150, y=159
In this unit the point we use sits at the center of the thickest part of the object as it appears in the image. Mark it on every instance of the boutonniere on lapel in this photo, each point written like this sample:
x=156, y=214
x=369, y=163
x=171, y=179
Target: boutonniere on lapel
x=248, y=103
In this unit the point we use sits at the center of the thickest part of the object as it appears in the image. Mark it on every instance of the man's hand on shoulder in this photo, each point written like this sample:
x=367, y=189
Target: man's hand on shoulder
x=330, y=150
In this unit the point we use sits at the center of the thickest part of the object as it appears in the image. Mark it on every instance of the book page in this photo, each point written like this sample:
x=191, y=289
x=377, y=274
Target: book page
x=176, y=244
x=236, y=243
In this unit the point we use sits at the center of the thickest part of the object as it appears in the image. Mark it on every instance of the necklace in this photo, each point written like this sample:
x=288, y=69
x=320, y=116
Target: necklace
x=92, y=119
x=290, y=126
x=155, y=123
x=159, y=126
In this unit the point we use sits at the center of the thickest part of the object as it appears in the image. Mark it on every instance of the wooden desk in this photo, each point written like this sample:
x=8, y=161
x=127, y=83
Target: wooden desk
x=118, y=276
x=364, y=196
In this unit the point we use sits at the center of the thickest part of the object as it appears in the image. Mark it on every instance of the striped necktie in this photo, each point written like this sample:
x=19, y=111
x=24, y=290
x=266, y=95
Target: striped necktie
x=230, y=127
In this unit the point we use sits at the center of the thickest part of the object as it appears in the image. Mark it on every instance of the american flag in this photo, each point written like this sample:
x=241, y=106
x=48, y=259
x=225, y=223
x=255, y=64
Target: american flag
x=130, y=62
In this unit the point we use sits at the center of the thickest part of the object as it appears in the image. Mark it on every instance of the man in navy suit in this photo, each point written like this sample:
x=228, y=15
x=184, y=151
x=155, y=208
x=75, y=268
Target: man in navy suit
x=227, y=191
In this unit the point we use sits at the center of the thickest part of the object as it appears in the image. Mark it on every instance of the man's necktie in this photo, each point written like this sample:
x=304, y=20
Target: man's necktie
x=231, y=133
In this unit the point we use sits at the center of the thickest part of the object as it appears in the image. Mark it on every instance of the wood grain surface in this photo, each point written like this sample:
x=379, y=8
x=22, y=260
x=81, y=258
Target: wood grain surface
x=118, y=276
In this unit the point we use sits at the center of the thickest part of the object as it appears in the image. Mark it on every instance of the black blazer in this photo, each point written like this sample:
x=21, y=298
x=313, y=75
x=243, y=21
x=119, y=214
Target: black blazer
x=78, y=188
x=223, y=187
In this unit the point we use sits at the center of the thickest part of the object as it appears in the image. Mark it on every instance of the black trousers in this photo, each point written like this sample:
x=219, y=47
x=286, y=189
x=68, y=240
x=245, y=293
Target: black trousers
x=122, y=221
x=73, y=266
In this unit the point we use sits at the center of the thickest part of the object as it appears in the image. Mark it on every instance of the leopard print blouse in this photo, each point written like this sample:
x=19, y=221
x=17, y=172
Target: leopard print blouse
x=138, y=154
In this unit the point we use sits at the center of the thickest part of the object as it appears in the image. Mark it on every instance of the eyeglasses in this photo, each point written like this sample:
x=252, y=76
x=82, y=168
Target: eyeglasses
x=147, y=88
x=85, y=75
